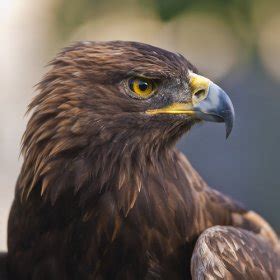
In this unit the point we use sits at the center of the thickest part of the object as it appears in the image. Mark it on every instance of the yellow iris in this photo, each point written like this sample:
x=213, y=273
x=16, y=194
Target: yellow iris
x=142, y=87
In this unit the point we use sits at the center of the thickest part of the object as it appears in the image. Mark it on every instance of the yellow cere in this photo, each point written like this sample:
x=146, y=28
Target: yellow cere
x=199, y=86
x=142, y=87
x=175, y=108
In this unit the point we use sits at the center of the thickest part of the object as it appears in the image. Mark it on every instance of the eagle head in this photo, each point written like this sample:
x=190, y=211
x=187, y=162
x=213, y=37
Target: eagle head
x=106, y=98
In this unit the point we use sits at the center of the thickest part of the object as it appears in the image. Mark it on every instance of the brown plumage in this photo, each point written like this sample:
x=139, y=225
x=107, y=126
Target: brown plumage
x=104, y=194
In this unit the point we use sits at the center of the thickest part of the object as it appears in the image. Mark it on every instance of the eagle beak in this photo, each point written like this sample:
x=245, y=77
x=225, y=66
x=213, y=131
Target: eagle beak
x=209, y=103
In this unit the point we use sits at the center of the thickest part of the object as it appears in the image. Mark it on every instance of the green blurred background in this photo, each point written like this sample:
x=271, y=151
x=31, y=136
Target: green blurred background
x=234, y=42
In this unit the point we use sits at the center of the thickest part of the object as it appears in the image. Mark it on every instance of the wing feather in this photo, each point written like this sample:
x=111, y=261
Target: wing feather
x=224, y=252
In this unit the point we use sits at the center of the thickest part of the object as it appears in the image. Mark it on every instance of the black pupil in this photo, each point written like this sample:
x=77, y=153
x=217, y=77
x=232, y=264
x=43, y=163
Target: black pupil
x=143, y=85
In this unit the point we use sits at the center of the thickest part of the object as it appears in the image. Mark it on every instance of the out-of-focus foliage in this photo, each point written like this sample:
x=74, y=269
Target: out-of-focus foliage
x=69, y=14
x=167, y=9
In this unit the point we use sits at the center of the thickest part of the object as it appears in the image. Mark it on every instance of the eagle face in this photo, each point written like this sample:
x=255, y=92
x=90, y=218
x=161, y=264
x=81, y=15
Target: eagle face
x=134, y=87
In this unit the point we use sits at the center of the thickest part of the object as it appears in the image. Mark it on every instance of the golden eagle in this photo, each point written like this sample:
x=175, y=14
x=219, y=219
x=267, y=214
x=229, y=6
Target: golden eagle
x=104, y=194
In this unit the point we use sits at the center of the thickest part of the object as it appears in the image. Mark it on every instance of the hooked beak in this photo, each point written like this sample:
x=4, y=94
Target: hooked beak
x=209, y=103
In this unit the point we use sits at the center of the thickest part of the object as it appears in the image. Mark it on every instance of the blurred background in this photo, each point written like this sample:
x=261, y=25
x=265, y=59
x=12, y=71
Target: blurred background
x=234, y=42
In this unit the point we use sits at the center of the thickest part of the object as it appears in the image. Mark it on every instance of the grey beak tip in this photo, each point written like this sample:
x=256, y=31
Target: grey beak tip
x=228, y=133
x=229, y=125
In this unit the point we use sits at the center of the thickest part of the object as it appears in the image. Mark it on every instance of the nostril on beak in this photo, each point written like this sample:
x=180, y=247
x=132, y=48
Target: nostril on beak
x=199, y=94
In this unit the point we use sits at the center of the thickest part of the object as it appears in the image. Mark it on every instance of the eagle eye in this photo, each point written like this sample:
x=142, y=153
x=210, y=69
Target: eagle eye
x=142, y=87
